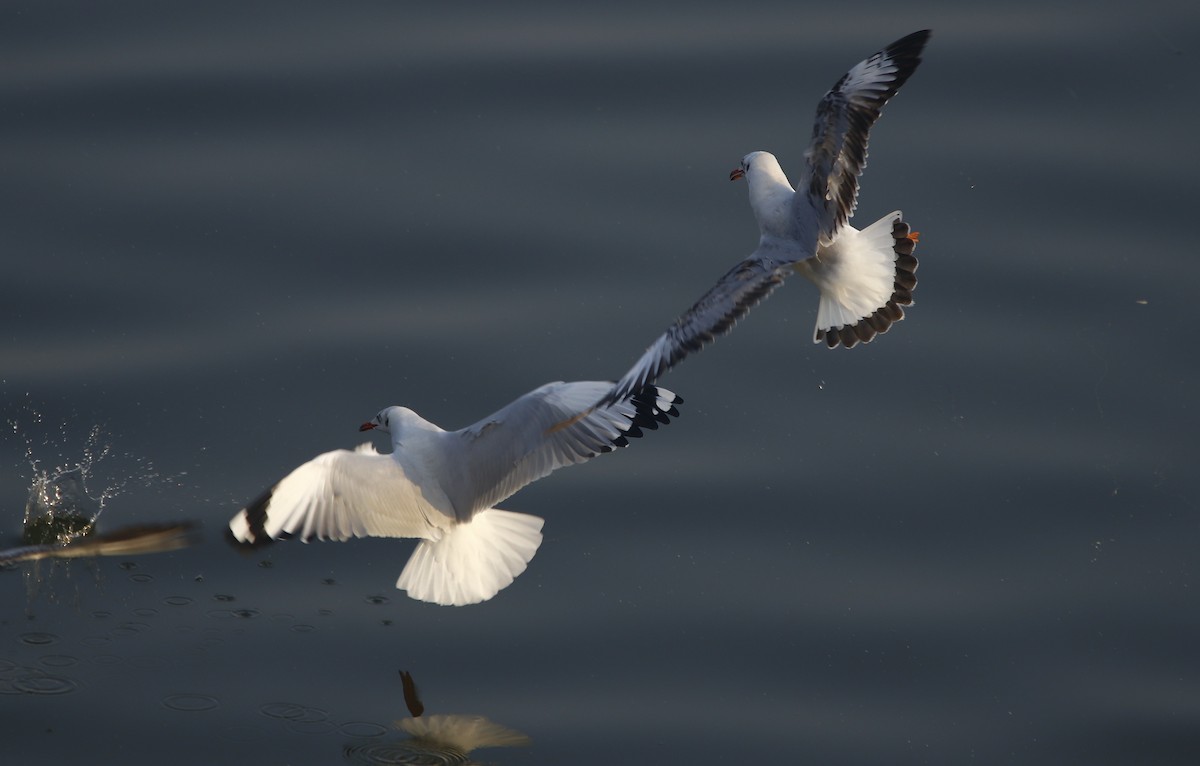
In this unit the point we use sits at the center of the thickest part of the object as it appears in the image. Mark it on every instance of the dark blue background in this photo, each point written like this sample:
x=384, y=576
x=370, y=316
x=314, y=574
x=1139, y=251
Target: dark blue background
x=231, y=232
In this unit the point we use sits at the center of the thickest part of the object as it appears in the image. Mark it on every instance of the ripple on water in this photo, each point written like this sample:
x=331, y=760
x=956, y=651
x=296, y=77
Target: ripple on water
x=362, y=729
x=19, y=679
x=47, y=684
x=223, y=614
x=300, y=718
x=292, y=711
x=38, y=639
x=130, y=629
x=190, y=703
x=401, y=752
x=177, y=600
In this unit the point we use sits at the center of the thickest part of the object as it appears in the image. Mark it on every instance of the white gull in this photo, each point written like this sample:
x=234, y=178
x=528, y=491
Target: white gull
x=864, y=277
x=443, y=486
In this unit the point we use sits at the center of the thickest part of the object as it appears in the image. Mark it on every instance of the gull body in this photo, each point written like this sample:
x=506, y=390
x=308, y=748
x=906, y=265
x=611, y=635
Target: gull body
x=864, y=277
x=443, y=487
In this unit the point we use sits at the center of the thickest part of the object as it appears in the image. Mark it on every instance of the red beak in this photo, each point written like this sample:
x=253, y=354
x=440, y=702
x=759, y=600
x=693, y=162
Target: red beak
x=366, y=426
x=736, y=173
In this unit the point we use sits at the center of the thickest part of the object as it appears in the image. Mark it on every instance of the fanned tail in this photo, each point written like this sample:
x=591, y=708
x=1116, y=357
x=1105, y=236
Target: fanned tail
x=865, y=278
x=472, y=561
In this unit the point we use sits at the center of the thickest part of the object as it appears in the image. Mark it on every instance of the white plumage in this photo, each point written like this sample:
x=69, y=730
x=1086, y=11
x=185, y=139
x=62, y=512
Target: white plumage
x=864, y=277
x=443, y=486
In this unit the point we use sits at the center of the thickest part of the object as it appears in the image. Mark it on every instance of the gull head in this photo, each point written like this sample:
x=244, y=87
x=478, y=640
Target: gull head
x=385, y=420
x=755, y=161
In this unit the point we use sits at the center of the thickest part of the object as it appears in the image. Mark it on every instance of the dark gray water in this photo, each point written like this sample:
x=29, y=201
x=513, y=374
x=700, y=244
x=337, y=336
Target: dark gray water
x=234, y=231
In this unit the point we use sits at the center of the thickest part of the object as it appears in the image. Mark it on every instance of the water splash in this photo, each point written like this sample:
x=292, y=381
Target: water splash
x=66, y=498
x=68, y=493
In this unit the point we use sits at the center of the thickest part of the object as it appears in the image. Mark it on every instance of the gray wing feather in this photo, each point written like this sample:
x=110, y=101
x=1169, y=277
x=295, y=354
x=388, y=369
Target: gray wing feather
x=742, y=288
x=838, y=150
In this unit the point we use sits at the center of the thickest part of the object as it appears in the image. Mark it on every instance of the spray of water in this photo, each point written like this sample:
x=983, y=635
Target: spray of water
x=69, y=490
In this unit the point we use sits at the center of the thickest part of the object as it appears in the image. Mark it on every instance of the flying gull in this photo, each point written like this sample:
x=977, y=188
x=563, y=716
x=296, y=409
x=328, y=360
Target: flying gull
x=443, y=486
x=865, y=277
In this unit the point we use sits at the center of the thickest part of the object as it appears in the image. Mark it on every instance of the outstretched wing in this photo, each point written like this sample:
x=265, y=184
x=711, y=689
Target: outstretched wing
x=743, y=287
x=339, y=495
x=838, y=152
x=546, y=429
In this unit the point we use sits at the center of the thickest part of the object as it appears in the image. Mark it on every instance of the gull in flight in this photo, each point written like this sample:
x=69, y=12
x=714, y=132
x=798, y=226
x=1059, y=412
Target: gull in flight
x=443, y=486
x=864, y=277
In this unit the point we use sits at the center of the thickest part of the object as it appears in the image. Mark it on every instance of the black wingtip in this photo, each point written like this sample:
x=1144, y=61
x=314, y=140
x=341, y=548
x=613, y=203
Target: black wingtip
x=649, y=412
x=910, y=46
x=256, y=522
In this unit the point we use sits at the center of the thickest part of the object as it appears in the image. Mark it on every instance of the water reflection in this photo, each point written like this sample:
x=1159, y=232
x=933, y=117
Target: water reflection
x=435, y=739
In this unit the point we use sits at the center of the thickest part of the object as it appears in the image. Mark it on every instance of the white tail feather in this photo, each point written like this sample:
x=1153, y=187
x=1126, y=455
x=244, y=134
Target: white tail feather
x=474, y=561
x=855, y=274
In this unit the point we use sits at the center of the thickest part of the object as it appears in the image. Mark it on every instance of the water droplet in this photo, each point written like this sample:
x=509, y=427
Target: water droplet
x=378, y=600
x=224, y=597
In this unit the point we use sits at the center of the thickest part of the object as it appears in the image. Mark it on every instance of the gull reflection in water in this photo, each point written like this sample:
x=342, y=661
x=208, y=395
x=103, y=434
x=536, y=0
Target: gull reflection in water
x=435, y=740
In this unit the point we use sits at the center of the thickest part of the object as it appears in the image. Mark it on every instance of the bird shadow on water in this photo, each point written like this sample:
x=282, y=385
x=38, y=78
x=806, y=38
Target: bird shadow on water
x=67, y=496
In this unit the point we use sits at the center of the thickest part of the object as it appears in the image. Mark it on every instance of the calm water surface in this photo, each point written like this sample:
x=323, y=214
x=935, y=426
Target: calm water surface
x=233, y=232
